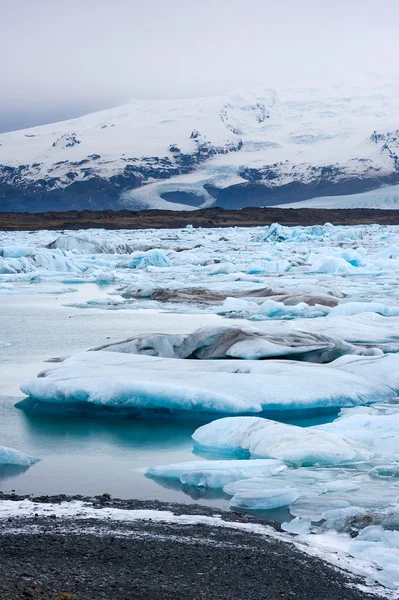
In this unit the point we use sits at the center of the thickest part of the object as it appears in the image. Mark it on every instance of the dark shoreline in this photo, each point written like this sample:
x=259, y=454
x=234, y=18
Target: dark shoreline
x=209, y=217
x=52, y=558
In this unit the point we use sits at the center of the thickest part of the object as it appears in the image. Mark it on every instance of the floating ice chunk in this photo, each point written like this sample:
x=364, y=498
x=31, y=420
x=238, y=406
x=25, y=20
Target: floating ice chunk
x=355, y=308
x=9, y=456
x=270, y=439
x=142, y=260
x=264, y=499
x=317, y=507
x=353, y=257
x=215, y=474
x=237, y=305
x=276, y=266
x=380, y=548
x=81, y=242
x=148, y=383
x=280, y=233
x=104, y=277
x=390, y=252
x=335, y=265
x=270, y=308
x=297, y=526
x=384, y=369
x=16, y=251
x=107, y=303
x=359, y=433
x=41, y=259
x=85, y=243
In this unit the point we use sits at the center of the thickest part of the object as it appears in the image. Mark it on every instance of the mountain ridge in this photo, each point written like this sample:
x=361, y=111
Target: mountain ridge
x=256, y=148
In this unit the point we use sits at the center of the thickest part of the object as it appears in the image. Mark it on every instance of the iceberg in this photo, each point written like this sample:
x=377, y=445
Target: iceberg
x=9, y=456
x=358, y=434
x=240, y=342
x=297, y=526
x=81, y=242
x=142, y=384
x=355, y=308
x=264, y=499
x=85, y=243
x=335, y=265
x=382, y=369
x=215, y=474
x=142, y=260
x=264, y=438
x=16, y=251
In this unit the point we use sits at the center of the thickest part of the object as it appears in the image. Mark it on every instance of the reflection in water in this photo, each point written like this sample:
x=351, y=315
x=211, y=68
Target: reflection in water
x=126, y=433
x=277, y=515
x=92, y=455
x=10, y=471
x=191, y=490
x=301, y=418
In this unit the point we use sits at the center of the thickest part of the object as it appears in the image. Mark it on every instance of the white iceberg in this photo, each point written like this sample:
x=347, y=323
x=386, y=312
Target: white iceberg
x=263, y=438
x=215, y=474
x=9, y=456
x=146, y=383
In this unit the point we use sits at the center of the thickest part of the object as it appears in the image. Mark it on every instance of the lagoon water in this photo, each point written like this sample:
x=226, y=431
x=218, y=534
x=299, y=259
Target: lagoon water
x=354, y=268
x=85, y=455
x=78, y=455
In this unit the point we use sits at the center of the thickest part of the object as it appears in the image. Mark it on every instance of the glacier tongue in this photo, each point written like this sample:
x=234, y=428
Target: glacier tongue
x=251, y=147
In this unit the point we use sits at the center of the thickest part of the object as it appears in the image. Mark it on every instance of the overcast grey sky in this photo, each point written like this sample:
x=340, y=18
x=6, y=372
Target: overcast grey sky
x=62, y=58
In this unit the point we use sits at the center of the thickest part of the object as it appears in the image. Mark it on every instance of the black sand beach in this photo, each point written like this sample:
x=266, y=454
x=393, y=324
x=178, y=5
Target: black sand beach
x=52, y=558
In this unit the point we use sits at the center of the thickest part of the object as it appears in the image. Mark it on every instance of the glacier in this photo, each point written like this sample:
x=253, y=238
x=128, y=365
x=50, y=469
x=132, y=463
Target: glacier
x=260, y=147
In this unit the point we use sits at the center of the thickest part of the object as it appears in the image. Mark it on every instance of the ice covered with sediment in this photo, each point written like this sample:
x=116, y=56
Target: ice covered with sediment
x=240, y=342
x=9, y=456
x=145, y=383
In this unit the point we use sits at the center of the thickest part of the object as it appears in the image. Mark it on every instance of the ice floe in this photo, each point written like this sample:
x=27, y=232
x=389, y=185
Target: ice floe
x=323, y=300
x=141, y=384
x=9, y=456
x=339, y=480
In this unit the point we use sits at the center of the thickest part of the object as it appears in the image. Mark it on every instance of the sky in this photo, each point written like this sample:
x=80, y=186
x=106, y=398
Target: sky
x=65, y=58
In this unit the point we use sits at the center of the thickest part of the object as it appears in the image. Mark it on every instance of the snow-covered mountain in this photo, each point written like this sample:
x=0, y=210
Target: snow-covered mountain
x=255, y=148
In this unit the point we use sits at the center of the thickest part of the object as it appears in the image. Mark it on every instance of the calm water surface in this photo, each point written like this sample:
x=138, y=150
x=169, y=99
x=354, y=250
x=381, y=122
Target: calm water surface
x=84, y=455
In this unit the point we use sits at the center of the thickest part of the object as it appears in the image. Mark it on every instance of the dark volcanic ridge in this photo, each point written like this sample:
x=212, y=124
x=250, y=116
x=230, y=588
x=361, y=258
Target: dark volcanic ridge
x=210, y=217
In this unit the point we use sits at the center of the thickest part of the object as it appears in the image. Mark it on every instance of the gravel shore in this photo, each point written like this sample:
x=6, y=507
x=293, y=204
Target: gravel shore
x=52, y=558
